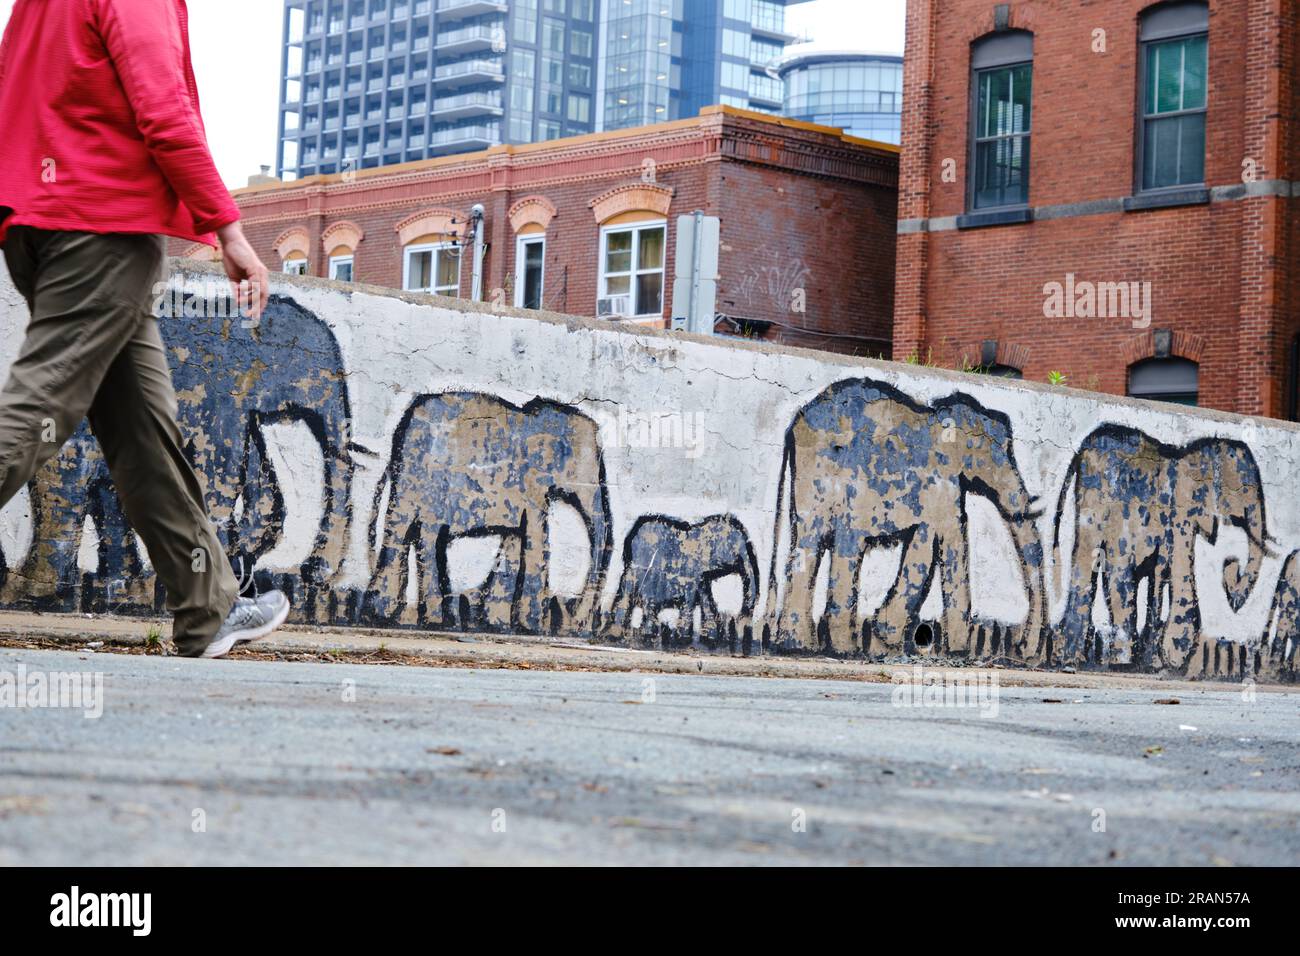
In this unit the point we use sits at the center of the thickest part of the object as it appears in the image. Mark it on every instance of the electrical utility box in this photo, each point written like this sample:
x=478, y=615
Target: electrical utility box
x=695, y=276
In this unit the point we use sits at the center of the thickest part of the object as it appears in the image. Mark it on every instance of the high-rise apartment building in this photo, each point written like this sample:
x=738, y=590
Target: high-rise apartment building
x=367, y=83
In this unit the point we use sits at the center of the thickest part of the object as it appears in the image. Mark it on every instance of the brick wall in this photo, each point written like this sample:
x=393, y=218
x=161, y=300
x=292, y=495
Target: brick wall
x=1222, y=274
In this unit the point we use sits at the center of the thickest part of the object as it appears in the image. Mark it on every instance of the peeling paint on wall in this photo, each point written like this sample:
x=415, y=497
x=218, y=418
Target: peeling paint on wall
x=398, y=461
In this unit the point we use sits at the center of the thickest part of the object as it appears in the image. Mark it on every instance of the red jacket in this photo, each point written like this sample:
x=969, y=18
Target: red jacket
x=99, y=121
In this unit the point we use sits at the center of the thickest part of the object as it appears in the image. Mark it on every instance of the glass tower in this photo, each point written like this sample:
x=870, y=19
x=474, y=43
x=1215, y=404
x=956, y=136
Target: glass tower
x=376, y=82
x=667, y=59
x=367, y=83
x=862, y=93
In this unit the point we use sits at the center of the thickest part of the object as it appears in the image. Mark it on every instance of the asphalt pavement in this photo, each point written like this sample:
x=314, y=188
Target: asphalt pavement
x=260, y=762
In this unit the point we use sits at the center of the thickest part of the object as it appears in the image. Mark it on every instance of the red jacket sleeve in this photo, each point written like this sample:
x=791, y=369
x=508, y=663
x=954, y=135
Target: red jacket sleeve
x=147, y=43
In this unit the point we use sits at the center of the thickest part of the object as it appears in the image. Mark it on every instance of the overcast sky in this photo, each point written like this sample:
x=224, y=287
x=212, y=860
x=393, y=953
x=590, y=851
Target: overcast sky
x=236, y=49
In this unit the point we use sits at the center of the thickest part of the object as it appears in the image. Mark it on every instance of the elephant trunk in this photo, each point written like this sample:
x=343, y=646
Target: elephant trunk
x=597, y=508
x=1239, y=581
x=781, y=513
x=1017, y=508
x=748, y=563
x=1030, y=548
x=331, y=540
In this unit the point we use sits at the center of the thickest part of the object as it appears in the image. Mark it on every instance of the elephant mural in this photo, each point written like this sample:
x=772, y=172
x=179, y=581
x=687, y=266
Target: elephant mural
x=865, y=466
x=669, y=563
x=463, y=465
x=231, y=383
x=1139, y=507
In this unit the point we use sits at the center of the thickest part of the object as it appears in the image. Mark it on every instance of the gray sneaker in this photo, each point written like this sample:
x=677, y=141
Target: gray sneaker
x=249, y=620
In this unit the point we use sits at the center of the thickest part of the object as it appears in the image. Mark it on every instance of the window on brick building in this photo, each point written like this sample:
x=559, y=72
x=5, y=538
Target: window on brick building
x=1165, y=380
x=296, y=266
x=530, y=266
x=432, y=267
x=1174, y=66
x=632, y=269
x=1002, y=71
x=341, y=267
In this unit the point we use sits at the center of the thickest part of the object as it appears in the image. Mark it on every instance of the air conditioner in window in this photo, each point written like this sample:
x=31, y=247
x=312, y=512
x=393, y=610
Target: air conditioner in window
x=613, y=306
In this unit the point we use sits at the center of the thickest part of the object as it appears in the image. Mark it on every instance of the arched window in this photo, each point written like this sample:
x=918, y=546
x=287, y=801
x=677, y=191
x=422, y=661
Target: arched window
x=529, y=218
x=341, y=260
x=341, y=240
x=431, y=242
x=530, y=268
x=1002, y=73
x=1174, y=64
x=1165, y=380
x=633, y=223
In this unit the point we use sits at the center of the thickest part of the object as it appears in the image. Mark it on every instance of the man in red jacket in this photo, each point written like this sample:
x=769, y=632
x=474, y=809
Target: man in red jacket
x=102, y=154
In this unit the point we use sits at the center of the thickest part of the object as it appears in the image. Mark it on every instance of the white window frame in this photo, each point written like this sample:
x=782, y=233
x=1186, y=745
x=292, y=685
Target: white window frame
x=437, y=249
x=295, y=267
x=336, y=261
x=531, y=238
x=636, y=228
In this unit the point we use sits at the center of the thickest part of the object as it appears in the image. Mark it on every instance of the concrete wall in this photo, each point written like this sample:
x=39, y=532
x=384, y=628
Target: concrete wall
x=414, y=462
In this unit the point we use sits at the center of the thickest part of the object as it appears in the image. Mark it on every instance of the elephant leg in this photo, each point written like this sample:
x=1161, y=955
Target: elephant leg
x=647, y=631
x=1148, y=623
x=121, y=568
x=620, y=614
x=711, y=622
x=499, y=589
x=842, y=596
x=431, y=566
x=1087, y=559
x=386, y=596
x=1121, y=595
x=894, y=620
x=1181, y=640
x=530, y=602
x=47, y=576
x=795, y=626
x=684, y=632
x=958, y=621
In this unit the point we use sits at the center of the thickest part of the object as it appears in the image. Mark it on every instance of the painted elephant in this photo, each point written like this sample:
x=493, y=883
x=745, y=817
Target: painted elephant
x=465, y=464
x=231, y=382
x=73, y=486
x=865, y=466
x=1139, y=507
x=668, y=563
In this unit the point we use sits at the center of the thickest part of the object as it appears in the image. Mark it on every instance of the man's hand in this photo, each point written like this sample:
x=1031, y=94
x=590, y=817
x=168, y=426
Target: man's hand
x=248, y=277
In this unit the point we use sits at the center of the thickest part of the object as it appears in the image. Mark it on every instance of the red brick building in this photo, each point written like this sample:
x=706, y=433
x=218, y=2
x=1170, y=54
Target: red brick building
x=1107, y=189
x=807, y=214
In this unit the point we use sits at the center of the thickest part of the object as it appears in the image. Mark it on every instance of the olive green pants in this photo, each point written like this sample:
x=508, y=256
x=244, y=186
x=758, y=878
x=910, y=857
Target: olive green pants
x=93, y=349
